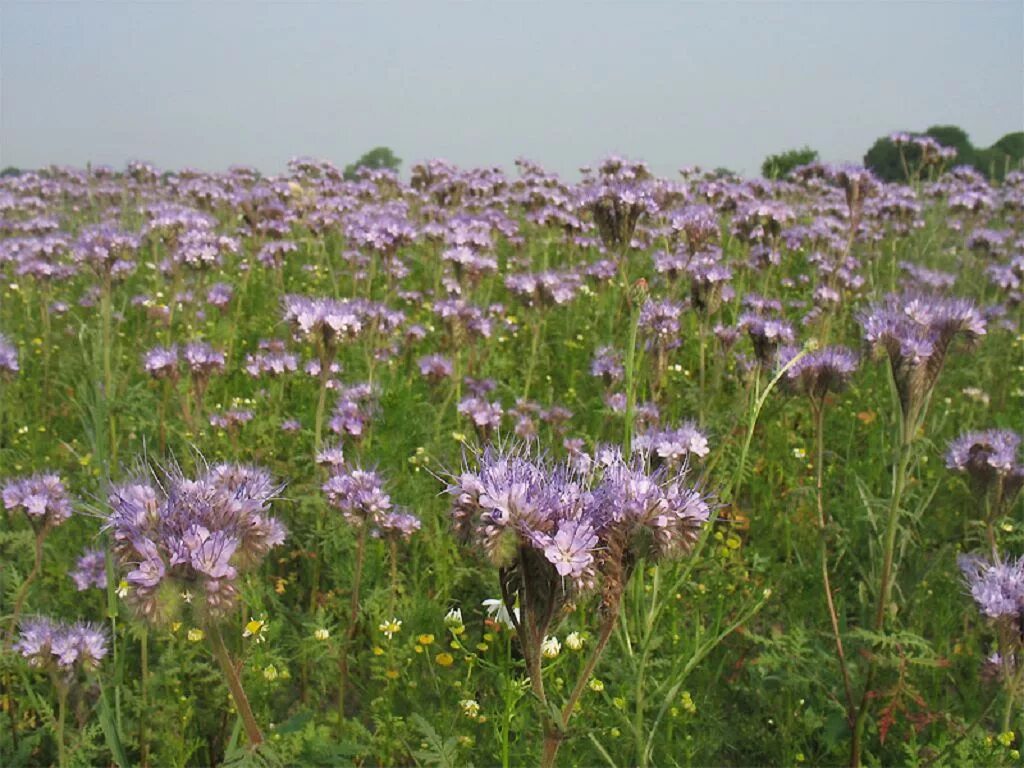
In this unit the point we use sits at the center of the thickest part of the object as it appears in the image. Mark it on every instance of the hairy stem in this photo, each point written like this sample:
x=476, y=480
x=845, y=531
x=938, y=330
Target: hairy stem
x=234, y=683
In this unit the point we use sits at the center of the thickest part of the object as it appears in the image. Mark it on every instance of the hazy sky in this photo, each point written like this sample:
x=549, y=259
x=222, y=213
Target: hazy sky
x=216, y=83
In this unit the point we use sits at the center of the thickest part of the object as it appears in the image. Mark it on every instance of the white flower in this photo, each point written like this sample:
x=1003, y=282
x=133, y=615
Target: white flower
x=321, y=633
x=550, y=648
x=470, y=708
x=574, y=642
x=453, y=618
x=496, y=610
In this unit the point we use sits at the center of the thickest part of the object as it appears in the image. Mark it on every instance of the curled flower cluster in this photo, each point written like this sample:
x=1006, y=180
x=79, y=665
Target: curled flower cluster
x=360, y=497
x=997, y=587
x=184, y=539
x=48, y=644
x=569, y=528
x=90, y=570
x=989, y=459
x=819, y=372
x=673, y=445
x=915, y=332
x=42, y=497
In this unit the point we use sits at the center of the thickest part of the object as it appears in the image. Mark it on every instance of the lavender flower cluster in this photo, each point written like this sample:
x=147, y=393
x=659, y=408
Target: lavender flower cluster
x=189, y=540
x=43, y=497
x=584, y=525
x=46, y=644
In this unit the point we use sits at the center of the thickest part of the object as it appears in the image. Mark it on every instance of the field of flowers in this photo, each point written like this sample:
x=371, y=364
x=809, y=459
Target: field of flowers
x=496, y=469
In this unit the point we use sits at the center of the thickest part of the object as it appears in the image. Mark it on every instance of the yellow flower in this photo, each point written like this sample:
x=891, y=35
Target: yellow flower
x=256, y=629
x=196, y=635
x=1006, y=738
x=321, y=633
x=378, y=651
x=425, y=639
x=444, y=659
x=687, y=702
x=391, y=674
x=390, y=627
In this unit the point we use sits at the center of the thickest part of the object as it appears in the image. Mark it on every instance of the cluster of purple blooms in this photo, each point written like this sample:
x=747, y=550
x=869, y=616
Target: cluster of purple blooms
x=90, y=570
x=915, y=331
x=8, y=358
x=49, y=644
x=188, y=540
x=997, y=587
x=674, y=446
x=990, y=460
x=360, y=496
x=578, y=525
x=42, y=497
x=820, y=371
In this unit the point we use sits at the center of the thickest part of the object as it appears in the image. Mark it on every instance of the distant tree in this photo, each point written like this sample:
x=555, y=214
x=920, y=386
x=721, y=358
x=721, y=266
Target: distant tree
x=955, y=137
x=10, y=170
x=1004, y=156
x=777, y=166
x=377, y=158
x=883, y=159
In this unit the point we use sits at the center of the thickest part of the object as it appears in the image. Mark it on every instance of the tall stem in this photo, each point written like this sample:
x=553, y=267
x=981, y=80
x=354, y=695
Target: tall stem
x=62, y=710
x=819, y=465
x=19, y=598
x=907, y=428
x=234, y=683
x=144, y=708
x=627, y=441
x=353, y=618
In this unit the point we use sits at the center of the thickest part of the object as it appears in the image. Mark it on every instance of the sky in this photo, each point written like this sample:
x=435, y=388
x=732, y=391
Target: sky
x=213, y=84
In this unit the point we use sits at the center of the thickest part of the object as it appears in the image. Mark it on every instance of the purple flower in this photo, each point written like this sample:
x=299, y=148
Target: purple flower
x=90, y=570
x=107, y=250
x=673, y=445
x=203, y=360
x=819, y=372
x=196, y=535
x=435, y=367
x=67, y=647
x=161, y=362
x=997, y=588
x=989, y=459
x=993, y=451
x=41, y=496
x=916, y=331
x=570, y=550
x=8, y=358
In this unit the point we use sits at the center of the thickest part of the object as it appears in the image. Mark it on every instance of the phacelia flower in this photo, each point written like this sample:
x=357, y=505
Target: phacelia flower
x=42, y=497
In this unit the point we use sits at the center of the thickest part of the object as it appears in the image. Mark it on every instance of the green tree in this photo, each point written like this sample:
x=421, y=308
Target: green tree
x=376, y=159
x=10, y=170
x=777, y=166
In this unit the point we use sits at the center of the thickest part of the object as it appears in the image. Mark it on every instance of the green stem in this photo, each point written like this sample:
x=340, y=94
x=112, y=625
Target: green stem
x=353, y=618
x=631, y=364
x=22, y=593
x=234, y=683
x=62, y=707
x=819, y=466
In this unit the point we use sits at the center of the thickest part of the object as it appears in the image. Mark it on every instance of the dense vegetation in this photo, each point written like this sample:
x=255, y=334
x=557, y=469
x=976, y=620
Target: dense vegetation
x=494, y=469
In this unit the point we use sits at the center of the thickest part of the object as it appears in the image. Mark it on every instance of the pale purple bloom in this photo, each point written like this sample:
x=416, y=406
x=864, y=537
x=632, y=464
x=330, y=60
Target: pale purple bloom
x=997, y=588
x=8, y=358
x=41, y=496
x=195, y=534
x=435, y=367
x=90, y=570
x=161, y=362
x=66, y=647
